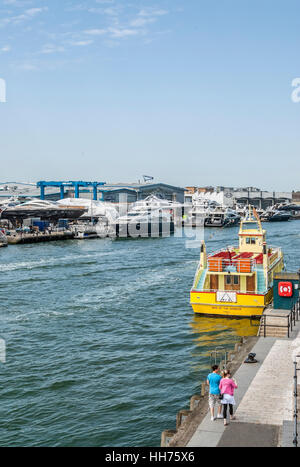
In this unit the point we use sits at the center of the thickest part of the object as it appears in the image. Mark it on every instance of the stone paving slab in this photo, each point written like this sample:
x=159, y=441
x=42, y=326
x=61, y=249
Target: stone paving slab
x=249, y=435
x=288, y=434
x=205, y=439
x=269, y=397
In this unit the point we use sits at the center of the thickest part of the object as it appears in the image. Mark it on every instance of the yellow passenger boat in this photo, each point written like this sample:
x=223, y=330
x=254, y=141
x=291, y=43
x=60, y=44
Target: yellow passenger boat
x=237, y=281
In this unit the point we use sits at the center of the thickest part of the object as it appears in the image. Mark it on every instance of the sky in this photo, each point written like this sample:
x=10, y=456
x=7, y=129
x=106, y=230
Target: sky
x=191, y=92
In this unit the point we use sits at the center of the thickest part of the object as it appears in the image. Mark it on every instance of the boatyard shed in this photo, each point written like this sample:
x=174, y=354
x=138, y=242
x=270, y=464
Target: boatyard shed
x=139, y=191
x=111, y=192
x=26, y=190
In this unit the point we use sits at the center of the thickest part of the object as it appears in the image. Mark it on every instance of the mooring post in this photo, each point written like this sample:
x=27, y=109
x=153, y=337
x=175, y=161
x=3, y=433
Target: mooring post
x=195, y=401
x=181, y=416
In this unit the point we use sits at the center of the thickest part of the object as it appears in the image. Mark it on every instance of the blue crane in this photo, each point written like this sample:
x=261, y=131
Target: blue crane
x=75, y=184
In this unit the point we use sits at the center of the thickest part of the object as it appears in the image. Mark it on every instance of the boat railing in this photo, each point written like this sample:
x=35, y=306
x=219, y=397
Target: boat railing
x=239, y=291
x=240, y=265
x=274, y=257
x=231, y=248
x=197, y=275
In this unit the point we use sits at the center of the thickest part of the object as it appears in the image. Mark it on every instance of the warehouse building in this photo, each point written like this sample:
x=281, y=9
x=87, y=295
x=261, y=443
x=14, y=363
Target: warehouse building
x=137, y=191
x=114, y=193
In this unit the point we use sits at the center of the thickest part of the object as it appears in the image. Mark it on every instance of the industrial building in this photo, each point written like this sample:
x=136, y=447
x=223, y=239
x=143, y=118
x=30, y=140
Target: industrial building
x=138, y=191
x=25, y=190
x=230, y=196
x=114, y=193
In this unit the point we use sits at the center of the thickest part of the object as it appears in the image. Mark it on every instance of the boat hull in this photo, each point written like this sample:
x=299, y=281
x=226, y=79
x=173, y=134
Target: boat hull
x=246, y=305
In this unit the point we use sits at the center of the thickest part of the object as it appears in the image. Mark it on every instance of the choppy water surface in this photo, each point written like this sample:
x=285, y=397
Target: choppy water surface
x=103, y=348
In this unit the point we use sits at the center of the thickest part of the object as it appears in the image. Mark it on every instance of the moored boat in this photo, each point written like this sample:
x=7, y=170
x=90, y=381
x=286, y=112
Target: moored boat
x=274, y=215
x=210, y=214
x=3, y=239
x=147, y=223
x=237, y=281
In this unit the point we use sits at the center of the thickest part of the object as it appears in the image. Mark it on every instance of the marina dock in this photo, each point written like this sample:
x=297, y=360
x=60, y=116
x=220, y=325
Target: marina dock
x=39, y=237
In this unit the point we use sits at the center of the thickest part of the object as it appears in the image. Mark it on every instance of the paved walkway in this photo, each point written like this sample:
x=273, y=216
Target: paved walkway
x=269, y=398
x=264, y=399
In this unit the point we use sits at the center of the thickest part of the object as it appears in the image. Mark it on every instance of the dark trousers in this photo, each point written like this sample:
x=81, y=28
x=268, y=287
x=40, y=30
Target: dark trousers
x=225, y=410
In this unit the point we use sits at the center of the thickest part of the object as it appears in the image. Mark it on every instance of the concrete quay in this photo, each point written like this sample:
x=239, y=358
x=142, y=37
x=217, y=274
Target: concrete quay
x=264, y=400
x=25, y=238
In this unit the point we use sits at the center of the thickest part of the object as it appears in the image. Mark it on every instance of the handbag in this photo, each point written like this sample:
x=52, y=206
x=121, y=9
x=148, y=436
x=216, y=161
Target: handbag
x=221, y=396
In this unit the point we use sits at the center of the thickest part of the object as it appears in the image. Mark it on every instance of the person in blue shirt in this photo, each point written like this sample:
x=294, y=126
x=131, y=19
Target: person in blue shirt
x=213, y=380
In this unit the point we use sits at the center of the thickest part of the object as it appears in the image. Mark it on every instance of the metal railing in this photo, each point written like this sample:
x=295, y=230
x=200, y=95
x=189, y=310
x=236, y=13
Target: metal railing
x=295, y=434
x=238, y=265
x=238, y=291
x=219, y=354
x=291, y=318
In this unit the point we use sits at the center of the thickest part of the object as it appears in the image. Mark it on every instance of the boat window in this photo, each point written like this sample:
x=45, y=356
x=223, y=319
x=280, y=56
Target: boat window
x=250, y=241
x=250, y=226
x=236, y=280
x=228, y=279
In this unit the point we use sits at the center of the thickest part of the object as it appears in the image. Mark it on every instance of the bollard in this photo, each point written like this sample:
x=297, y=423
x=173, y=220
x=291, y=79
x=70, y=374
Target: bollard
x=166, y=437
x=181, y=417
x=203, y=389
x=195, y=401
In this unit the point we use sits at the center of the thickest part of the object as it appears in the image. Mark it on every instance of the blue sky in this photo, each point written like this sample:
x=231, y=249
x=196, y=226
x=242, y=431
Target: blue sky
x=191, y=92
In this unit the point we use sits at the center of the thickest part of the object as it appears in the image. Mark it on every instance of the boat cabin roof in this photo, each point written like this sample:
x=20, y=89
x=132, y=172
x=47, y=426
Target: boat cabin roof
x=236, y=255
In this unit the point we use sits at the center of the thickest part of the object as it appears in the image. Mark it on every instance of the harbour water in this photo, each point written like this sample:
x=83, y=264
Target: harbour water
x=103, y=348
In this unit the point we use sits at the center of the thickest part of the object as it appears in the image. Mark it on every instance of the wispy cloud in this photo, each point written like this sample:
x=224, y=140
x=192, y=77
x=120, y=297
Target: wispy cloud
x=125, y=22
x=77, y=24
x=26, y=15
x=51, y=49
x=5, y=49
x=81, y=43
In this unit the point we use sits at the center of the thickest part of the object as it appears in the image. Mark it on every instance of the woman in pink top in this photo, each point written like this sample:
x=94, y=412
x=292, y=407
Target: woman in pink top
x=227, y=387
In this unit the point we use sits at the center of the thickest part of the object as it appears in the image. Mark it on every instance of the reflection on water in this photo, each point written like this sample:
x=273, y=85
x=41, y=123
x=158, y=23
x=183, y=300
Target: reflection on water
x=210, y=334
x=208, y=326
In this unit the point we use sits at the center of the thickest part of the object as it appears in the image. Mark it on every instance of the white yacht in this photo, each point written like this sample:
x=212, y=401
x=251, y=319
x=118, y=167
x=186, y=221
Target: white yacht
x=144, y=222
x=14, y=209
x=154, y=202
x=96, y=220
x=208, y=213
x=3, y=239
